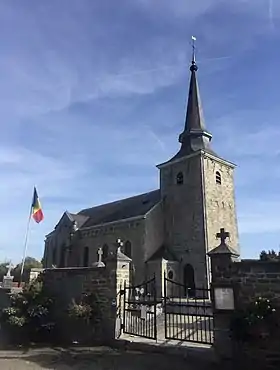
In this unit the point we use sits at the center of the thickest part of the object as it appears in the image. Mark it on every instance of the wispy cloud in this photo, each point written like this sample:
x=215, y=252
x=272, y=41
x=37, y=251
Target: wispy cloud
x=259, y=216
x=271, y=13
x=21, y=169
x=93, y=96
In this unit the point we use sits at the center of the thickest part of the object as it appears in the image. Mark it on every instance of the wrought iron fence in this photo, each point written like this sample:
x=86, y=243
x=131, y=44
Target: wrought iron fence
x=188, y=313
x=140, y=310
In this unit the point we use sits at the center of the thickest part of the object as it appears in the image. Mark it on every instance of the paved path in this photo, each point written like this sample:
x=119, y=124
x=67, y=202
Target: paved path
x=99, y=358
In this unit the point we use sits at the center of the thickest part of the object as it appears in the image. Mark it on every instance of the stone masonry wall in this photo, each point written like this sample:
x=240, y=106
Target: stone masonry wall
x=67, y=284
x=220, y=205
x=250, y=279
x=95, y=238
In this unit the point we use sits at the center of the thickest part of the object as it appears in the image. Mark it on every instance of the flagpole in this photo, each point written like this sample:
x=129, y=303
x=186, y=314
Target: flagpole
x=25, y=243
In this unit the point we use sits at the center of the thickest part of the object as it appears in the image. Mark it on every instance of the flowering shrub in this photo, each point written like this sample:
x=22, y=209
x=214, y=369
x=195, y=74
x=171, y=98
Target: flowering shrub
x=12, y=316
x=258, y=320
x=81, y=311
x=29, y=313
x=260, y=310
x=85, y=309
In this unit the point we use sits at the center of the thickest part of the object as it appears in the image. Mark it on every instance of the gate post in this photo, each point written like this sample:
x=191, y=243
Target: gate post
x=223, y=293
x=119, y=266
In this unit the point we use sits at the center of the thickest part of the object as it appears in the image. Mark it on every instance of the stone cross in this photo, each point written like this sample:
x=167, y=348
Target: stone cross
x=100, y=252
x=99, y=263
x=119, y=244
x=10, y=266
x=223, y=235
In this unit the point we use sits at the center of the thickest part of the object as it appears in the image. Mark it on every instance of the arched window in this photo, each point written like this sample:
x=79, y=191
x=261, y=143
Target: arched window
x=86, y=257
x=105, y=250
x=218, y=178
x=180, y=178
x=170, y=274
x=127, y=249
x=54, y=256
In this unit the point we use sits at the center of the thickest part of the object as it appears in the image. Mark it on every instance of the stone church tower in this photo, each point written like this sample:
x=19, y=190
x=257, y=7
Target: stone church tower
x=197, y=190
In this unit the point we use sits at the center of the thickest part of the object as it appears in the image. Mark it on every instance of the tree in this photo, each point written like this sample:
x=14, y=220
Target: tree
x=30, y=263
x=271, y=255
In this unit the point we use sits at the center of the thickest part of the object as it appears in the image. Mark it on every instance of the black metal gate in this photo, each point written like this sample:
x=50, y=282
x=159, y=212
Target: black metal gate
x=140, y=310
x=188, y=313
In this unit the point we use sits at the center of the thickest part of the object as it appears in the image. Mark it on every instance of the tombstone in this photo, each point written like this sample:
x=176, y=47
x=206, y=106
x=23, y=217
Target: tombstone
x=99, y=263
x=34, y=273
x=8, y=279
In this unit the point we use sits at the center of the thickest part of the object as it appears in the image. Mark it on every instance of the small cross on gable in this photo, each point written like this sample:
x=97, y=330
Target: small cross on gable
x=223, y=235
x=119, y=245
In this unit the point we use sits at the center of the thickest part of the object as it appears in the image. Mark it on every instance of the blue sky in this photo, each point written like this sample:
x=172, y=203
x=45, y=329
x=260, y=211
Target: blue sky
x=93, y=96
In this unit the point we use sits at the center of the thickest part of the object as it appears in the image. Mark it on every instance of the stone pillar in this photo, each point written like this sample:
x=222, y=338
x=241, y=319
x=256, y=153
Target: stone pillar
x=119, y=265
x=123, y=270
x=223, y=295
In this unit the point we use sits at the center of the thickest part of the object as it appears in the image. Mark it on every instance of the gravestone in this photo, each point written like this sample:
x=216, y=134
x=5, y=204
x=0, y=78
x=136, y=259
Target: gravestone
x=8, y=278
x=99, y=263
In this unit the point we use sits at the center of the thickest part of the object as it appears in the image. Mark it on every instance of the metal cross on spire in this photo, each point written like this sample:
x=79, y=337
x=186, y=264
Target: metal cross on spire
x=193, y=67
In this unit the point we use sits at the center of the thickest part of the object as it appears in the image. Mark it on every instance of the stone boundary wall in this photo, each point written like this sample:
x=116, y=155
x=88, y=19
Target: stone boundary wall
x=250, y=279
x=66, y=284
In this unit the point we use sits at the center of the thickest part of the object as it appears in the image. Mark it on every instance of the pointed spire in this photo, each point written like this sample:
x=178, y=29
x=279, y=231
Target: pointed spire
x=194, y=137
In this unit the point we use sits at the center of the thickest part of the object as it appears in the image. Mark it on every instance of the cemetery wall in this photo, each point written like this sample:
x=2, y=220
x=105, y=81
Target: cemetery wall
x=66, y=284
x=250, y=279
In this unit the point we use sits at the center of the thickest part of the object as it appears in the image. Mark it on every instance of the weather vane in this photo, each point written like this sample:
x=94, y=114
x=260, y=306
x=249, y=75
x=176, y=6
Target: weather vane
x=193, y=48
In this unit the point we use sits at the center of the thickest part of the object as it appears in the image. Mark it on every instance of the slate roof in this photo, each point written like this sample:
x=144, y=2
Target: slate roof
x=134, y=206
x=80, y=219
x=223, y=248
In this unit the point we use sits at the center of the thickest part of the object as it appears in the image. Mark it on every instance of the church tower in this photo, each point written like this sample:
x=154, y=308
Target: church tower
x=197, y=190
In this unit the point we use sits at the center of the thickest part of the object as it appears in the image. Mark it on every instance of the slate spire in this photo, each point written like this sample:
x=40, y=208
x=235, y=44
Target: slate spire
x=195, y=136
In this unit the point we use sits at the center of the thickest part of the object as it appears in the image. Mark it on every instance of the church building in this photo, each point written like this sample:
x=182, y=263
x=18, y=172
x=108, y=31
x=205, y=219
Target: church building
x=169, y=230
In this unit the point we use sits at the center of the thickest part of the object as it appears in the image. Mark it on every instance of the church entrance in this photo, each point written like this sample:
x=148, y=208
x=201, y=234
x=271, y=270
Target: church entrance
x=189, y=281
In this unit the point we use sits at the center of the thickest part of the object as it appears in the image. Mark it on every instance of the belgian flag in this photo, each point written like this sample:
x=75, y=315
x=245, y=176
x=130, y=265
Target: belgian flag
x=36, y=209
